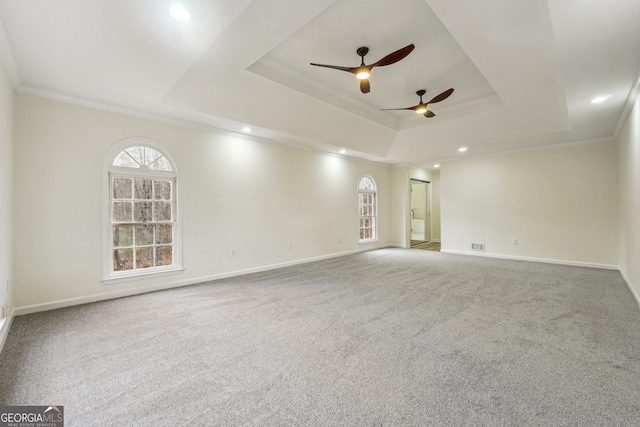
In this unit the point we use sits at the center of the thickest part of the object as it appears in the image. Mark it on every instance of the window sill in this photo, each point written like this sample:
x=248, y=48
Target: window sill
x=141, y=276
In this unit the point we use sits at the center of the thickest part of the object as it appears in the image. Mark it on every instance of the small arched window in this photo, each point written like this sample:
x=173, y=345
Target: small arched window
x=367, y=208
x=142, y=234
x=142, y=157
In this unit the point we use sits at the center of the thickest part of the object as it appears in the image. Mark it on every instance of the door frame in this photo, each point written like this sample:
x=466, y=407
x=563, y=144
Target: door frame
x=428, y=207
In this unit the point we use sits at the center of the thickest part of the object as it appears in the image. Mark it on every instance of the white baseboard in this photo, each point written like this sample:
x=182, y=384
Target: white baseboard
x=34, y=308
x=633, y=292
x=544, y=260
x=5, y=324
x=397, y=245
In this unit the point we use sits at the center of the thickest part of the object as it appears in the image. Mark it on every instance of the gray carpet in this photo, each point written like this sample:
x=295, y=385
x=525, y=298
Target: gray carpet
x=389, y=337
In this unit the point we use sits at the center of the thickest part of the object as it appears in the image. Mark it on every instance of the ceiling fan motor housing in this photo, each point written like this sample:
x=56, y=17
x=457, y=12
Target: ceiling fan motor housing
x=362, y=51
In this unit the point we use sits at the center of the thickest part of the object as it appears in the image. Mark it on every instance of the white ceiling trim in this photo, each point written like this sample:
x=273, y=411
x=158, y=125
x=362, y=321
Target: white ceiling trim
x=546, y=147
x=628, y=106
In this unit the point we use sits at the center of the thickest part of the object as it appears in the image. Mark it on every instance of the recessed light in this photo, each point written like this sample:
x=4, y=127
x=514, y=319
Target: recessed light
x=343, y=151
x=437, y=165
x=246, y=129
x=462, y=149
x=599, y=99
x=179, y=12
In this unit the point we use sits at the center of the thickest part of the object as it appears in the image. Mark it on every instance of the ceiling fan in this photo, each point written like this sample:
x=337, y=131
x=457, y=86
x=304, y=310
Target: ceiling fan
x=363, y=71
x=422, y=107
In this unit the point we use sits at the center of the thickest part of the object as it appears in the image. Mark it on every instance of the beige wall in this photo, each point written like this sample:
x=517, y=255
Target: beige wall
x=236, y=193
x=399, y=206
x=561, y=204
x=6, y=186
x=629, y=231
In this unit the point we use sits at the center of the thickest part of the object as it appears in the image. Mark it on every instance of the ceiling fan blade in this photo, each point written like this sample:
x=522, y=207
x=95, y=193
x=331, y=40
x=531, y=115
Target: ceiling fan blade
x=364, y=86
x=337, y=67
x=394, y=57
x=444, y=95
x=429, y=113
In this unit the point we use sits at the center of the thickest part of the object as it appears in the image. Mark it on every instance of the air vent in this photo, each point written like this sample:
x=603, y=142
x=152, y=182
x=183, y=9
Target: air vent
x=477, y=247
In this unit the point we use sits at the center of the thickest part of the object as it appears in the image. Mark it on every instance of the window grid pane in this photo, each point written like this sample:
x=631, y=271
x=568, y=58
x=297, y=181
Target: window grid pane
x=122, y=236
x=144, y=257
x=164, y=255
x=143, y=189
x=122, y=259
x=122, y=189
x=122, y=211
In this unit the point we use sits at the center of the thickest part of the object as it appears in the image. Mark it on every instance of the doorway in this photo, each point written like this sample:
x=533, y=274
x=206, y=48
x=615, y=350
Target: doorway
x=420, y=212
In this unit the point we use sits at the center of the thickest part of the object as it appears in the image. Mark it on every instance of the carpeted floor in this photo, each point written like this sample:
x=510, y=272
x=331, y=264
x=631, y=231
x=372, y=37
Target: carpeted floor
x=393, y=337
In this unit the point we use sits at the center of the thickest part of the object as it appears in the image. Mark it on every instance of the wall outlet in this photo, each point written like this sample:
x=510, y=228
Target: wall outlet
x=477, y=247
x=233, y=252
x=290, y=246
x=514, y=241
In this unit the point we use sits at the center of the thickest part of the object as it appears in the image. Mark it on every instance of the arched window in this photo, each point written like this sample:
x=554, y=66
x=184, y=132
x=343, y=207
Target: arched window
x=367, y=209
x=142, y=234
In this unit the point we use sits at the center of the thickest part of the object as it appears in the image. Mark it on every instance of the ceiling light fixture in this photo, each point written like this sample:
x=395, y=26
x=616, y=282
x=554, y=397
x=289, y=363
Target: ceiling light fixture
x=437, y=165
x=343, y=151
x=362, y=73
x=462, y=149
x=179, y=12
x=246, y=129
x=599, y=99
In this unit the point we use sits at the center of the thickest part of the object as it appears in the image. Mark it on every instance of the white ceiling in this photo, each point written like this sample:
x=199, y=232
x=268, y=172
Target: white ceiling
x=523, y=72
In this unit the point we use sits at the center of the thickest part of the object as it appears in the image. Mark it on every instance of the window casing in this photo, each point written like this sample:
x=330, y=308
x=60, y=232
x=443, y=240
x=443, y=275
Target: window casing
x=367, y=209
x=142, y=233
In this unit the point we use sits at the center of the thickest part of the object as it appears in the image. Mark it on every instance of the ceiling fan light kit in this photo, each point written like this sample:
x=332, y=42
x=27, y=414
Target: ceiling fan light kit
x=363, y=72
x=421, y=108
